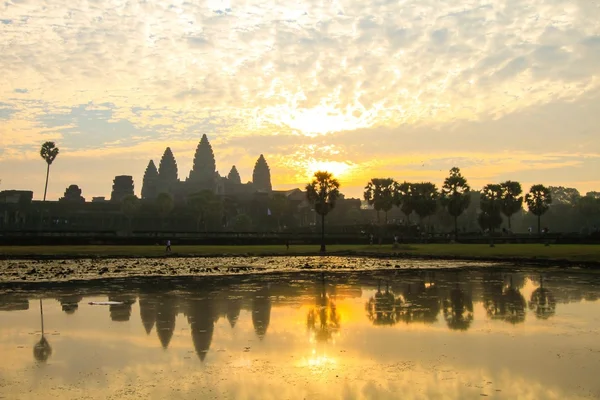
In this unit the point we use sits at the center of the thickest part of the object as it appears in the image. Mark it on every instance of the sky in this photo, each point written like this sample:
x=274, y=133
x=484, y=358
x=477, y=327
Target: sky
x=503, y=89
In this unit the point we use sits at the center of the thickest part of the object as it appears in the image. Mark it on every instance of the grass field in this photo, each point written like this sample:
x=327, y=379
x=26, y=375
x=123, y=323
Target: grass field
x=583, y=253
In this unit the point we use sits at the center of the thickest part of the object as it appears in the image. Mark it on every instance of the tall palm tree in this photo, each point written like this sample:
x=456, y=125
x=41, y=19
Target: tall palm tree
x=538, y=201
x=48, y=152
x=42, y=349
x=323, y=192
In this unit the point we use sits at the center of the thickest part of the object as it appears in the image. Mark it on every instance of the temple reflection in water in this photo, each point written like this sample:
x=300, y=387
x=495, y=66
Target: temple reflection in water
x=390, y=298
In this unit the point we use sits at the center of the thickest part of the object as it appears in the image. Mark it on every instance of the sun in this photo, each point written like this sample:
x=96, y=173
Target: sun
x=337, y=168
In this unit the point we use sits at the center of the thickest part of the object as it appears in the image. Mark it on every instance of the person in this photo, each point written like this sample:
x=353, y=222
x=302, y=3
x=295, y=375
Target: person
x=168, y=249
x=287, y=244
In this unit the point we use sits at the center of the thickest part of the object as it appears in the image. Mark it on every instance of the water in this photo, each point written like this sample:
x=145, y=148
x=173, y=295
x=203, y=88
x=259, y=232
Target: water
x=443, y=334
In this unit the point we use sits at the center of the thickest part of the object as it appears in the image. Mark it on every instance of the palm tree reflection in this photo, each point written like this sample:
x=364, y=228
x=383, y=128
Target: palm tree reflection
x=384, y=307
x=542, y=302
x=458, y=310
x=325, y=311
x=507, y=304
x=42, y=349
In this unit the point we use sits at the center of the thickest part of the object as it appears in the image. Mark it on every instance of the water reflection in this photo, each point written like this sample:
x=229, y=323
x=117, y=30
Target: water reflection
x=367, y=316
x=42, y=349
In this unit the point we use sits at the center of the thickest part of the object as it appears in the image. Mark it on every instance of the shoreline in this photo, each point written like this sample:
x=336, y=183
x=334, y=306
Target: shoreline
x=386, y=255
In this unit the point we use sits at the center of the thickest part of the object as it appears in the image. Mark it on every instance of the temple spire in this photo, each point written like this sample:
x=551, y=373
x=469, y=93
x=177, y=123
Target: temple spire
x=261, y=176
x=234, y=176
x=204, y=169
x=150, y=182
x=167, y=169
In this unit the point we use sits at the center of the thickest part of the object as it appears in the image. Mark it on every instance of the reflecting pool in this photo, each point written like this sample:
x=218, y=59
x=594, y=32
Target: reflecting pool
x=421, y=334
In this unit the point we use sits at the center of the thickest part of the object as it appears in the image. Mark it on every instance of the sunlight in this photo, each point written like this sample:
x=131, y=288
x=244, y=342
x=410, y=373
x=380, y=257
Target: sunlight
x=337, y=168
x=319, y=120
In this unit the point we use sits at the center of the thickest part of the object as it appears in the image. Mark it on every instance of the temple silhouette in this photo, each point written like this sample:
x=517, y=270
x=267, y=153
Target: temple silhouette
x=203, y=176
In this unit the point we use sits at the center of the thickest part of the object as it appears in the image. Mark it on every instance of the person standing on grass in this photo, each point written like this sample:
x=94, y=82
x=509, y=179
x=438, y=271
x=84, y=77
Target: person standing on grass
x=168, y=249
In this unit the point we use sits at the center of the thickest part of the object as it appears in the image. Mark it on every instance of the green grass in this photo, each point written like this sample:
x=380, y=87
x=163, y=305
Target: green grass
x=588, y=253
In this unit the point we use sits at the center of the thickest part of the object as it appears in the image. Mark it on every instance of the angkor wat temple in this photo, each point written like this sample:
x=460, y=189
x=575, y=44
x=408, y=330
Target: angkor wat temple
x=203, y=176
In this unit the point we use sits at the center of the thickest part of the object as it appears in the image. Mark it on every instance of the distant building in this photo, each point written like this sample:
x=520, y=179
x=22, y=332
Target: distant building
x=203, y=176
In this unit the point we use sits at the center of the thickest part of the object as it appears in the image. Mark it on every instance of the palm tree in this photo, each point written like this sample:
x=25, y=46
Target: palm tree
x=379, y=193
x=165, y=205
x=207, y=206
x=48, y=152
x=130, y=205
x=42, y=349
x=404, y=198
x=538, y=201
x=491, y=206
x=425, y=199
x=323, y=192
x=279, y=205
x=455, y=196
x=512, y=201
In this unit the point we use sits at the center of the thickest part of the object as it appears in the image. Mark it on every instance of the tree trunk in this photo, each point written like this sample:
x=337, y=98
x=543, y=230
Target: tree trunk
x=456, y=229
x=46, y=187
x=509, y=226
x=42, y=316
x=322, y=233
x=386, y=218
x=539, y=224
x=492, y=237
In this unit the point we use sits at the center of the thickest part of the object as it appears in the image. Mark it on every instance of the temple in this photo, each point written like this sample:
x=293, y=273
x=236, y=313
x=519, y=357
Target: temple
x=203, y=176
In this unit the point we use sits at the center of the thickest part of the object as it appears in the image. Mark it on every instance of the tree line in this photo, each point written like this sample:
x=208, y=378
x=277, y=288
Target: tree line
x=495, y=200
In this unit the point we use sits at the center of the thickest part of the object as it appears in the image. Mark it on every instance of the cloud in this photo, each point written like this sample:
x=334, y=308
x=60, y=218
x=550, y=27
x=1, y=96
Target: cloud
x=372, y=79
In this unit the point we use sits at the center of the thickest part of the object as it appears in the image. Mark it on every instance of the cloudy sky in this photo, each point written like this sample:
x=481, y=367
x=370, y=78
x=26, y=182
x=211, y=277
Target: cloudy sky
x=504, y=89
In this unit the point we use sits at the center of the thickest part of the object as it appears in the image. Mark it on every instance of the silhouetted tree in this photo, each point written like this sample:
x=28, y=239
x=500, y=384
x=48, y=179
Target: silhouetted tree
x=379, y=193
x=323, y=193
x=42, y=349
x=207, y=206
x=325, y=312
x=48, y=152
x=542, y=302
x=383, y=308
x=279, y=205
x=242, y=223
x=564, y=195
x=165, y=205
x=425, y=199
x=490, y=203
x=538, y=201
x=130, y=206
x=404, y=198
x=458, y=310
x=512, y=201
x=455, y=196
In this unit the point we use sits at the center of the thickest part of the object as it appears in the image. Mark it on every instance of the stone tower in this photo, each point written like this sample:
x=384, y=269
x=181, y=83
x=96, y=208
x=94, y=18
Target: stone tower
x=261, y=177
x=150, y=183
x=167, y=172
x=203, y=174
x=234, y=176
x=122, y=186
